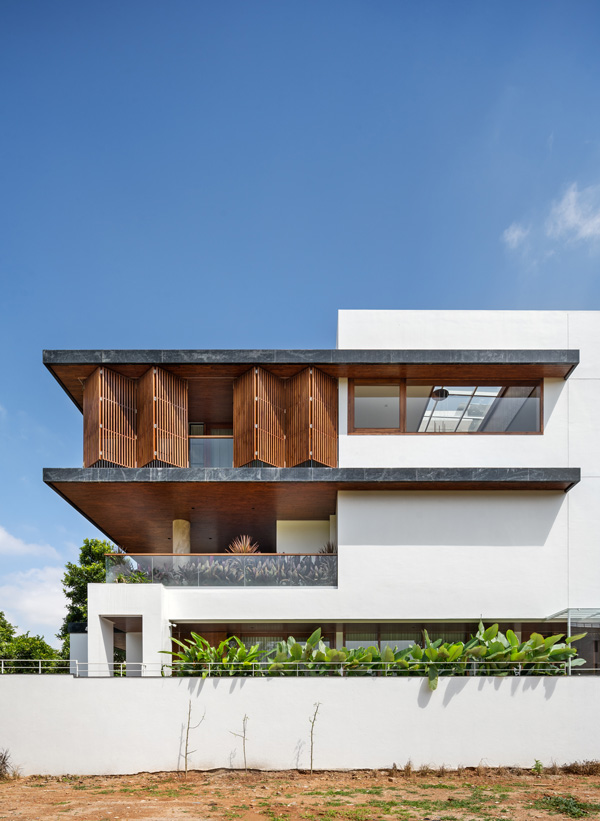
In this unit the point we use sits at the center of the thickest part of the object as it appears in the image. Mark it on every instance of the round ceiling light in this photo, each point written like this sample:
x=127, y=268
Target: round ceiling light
x=440, y=394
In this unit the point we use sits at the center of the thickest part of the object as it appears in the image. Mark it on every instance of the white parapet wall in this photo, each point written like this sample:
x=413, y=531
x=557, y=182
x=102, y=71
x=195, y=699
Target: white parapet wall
x=57, y=725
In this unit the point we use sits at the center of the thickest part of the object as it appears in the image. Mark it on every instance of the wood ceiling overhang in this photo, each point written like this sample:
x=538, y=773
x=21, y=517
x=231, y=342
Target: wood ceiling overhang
x=135, y=507
x=71, y=368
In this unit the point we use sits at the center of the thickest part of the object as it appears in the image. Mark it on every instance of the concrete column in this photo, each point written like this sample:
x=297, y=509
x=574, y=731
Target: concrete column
x=101, y=646
x=78, y=654
x=181, y=536
x=333, y=529
x=133, y=654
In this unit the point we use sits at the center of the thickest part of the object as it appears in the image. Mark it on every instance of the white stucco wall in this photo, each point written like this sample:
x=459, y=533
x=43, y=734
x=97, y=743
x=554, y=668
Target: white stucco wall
x=407, y=330
x=57, y=725
x=301, y=536
x=105, y=601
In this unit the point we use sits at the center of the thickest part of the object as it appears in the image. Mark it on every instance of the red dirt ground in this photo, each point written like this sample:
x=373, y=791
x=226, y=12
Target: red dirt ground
x=488, y=795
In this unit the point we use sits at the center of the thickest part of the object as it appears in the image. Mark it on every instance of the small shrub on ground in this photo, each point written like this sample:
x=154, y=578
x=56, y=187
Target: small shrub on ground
x=6, y=768
x=566, y=805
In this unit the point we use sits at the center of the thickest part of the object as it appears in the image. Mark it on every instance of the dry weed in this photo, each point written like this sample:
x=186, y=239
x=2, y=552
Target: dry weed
x=582, y=768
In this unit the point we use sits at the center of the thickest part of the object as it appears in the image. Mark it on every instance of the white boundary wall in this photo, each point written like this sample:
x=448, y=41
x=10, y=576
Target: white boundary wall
x=58, y=725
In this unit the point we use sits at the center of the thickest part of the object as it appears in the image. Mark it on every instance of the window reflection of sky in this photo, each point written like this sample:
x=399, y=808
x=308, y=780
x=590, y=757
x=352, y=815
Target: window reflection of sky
x=464, y=410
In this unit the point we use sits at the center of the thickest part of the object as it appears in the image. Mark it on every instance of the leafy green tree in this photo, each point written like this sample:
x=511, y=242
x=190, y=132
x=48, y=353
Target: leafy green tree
x=22, y=647
x=89, y=570
x=7, y=631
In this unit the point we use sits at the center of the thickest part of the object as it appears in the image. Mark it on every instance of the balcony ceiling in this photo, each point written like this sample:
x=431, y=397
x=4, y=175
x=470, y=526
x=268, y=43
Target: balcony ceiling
x=71, y=368
x=135, y=507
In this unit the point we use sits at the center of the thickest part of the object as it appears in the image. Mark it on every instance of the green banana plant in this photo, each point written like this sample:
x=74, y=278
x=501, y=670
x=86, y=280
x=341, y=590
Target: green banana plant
x=488, y=653
x=199, y=658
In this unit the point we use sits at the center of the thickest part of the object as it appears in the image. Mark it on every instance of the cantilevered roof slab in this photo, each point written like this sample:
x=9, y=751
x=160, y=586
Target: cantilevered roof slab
x=135, y=507
x=71, y=368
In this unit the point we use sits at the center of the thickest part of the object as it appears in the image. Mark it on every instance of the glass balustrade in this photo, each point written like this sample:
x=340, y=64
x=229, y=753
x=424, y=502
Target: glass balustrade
x=211, y=451
x=224, y=570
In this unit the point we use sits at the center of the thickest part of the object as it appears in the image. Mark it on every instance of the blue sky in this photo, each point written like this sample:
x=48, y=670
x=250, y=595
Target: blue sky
x=199, y=174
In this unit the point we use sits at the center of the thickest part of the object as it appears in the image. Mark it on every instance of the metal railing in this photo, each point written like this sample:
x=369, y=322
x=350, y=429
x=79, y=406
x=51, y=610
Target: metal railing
x=224, y=569
x=263, y=669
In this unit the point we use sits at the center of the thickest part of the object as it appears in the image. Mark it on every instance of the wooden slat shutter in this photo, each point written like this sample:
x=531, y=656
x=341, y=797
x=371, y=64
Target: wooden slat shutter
x=145, y=418
x=270, y=418
x=162, y=419
x=258, y=419
x=91, y=420
x=312, y=411
x=109, y=419
x=324, y=407
x=244, y=431
x=298, y=419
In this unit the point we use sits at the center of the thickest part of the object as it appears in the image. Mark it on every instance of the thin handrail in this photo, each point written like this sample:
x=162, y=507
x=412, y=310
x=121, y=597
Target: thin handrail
x=301, y=668
x=223, y=553
x=206, y=436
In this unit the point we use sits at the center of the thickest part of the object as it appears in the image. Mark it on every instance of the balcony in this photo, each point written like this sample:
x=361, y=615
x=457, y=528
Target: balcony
x=224, y=570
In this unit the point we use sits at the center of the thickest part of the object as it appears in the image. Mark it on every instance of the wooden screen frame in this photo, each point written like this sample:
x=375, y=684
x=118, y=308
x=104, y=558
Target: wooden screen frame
x=109, y=419
x=259, y=400
x=155, y=405
x=401, y=429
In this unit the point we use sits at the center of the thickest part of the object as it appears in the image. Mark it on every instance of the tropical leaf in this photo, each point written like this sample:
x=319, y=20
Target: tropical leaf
x=490, y=633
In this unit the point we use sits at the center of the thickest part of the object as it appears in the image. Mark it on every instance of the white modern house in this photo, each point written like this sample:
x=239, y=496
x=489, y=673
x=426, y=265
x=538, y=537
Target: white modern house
x=452, y=458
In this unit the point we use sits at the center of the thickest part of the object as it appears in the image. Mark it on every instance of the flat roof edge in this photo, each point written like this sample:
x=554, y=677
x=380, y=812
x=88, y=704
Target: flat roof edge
x=565, y=477
x=310, y=356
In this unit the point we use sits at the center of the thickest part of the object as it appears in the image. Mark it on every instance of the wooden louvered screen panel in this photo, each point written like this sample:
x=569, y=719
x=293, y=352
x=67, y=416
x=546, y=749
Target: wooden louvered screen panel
x=258, y=419
x=244, y=430
x=324, y=408
x=109, y=419
x=298, y=419
x=171, y=419
x=145, y=419
x=91, y=419
x=270, y=418
x=311, y=419
x=162, y=419
x=285, y=424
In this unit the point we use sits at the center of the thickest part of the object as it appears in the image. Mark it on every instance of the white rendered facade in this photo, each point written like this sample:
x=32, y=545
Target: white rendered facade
x=418, y=556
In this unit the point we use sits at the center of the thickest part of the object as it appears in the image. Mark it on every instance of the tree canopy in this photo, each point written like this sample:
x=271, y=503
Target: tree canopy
x=90, y=569
x=22, y=646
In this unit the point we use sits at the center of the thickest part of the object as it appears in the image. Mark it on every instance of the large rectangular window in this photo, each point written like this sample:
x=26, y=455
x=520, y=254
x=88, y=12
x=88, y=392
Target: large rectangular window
x=376, y=406
x=407, y=406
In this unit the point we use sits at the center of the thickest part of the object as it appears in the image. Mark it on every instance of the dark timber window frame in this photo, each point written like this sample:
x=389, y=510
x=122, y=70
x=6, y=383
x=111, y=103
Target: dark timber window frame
x=402, y=385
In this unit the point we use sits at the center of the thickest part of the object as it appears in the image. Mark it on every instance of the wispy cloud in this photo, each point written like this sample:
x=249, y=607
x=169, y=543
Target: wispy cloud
x=515, y=235
x=34, y=599
x=13, y=546
x=570, y=222
x=576, y=217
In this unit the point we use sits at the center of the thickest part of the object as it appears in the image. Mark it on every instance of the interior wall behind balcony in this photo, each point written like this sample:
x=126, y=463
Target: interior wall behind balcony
x=301, y=536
